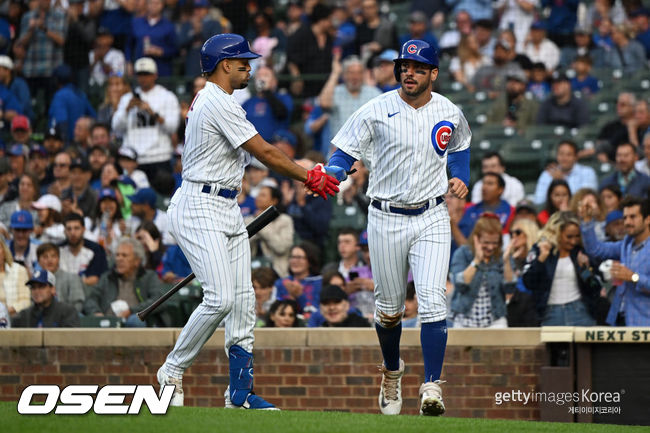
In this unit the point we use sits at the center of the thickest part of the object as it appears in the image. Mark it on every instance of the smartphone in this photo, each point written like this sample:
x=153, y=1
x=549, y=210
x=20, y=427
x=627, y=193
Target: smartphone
x=353, y=275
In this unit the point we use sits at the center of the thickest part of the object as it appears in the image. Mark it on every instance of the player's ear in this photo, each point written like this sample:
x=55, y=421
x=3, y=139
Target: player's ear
x=225, y=64
x=434, y=74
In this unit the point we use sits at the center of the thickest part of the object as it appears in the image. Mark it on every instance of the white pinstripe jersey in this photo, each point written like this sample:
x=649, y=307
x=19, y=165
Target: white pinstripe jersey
x=216, y=128
x=407, y=148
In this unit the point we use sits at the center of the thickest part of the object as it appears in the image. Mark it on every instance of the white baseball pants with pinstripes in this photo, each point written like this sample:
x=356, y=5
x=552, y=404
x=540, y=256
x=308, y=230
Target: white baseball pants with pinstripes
x=421, y=241
x=211, y=232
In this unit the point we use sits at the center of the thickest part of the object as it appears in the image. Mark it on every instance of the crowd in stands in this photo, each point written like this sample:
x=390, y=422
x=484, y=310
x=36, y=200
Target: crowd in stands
x=93, y=98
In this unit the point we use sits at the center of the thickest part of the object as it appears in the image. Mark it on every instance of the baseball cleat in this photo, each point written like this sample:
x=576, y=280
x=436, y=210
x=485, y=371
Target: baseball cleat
x=431, y=399
x=164, y=379
x=390, y=393
x=252, y=402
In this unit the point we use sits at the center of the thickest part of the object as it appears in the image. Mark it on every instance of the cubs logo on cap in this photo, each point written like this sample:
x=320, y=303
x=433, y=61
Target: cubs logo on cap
x=441, y=135
x=42, y=276
x=412, y=49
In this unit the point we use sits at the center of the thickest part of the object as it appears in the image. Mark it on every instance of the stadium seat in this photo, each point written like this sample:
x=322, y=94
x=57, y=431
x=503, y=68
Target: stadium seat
x=100, y=322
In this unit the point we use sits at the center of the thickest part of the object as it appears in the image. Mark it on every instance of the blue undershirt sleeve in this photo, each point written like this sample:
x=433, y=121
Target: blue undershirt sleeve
x=458, y=163
x=345, y=161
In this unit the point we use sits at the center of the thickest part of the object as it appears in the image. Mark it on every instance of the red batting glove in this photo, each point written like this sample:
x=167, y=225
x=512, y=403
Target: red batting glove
x=321, y=183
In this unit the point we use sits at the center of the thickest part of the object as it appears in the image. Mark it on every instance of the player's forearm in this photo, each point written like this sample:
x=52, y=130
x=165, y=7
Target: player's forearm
x=274, y=158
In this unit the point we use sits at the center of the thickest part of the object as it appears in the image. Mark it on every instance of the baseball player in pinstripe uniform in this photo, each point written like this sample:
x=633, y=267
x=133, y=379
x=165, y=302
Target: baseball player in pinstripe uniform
x=207, y=223
x=409, y=136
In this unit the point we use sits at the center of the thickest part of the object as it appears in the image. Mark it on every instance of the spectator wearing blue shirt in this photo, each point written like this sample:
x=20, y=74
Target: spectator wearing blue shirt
x=492, y=189
x=631, y=267
x=418, y=29
x=576, y=175
x=68, y=104
x=174, y=265
x=269, y=110
x=383, y=71
x=478, y=9
x=5, y=36
x=641, y=23
x=562, y=20
x=304, y=282
x=16, y=85
x=627, y=53
x=193, y=32
x=116, y=17
x=538, y=84
x=583, y=82
x=153, y=36
x=626, y=177
x=317, y=127
x=346, y=31
x=9, y=105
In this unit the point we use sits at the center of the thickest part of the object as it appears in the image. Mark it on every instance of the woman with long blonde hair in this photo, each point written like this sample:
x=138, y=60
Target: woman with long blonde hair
x=560, y=276
x=116, y=87
x=467, y=61
x=523, y=235
x=14, y=292
x=481, y=279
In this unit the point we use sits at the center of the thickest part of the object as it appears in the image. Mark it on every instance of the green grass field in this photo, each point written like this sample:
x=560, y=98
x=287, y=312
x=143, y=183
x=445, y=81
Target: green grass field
x=211, y=420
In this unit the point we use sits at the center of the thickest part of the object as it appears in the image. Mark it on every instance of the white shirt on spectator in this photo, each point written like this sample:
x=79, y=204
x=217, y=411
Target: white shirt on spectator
x=344, y=104
x=113, y=58
x=547, y=52
x=564, y=288
x=75, y=264
x=643, y=166
x=139, y=178
x=142, y=132
x=517, y=19
x=513, y=192
x=469, y=69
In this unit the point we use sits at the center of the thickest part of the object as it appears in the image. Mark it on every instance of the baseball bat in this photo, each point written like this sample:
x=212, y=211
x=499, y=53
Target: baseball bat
x=255, y=226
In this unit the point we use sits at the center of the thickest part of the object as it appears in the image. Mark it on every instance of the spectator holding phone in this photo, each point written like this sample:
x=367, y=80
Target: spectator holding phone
x=304, y=282
x=269, y=109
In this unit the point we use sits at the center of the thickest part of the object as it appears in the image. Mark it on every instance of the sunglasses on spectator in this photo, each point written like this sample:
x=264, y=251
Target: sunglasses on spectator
x=516, y=232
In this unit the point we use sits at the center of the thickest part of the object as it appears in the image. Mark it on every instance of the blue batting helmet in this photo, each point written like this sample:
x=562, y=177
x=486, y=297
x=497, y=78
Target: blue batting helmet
x=224, y=46
x=418, y=51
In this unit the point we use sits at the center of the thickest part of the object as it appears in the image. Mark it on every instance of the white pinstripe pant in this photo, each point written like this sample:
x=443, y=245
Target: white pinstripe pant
x=211, y=232
x=424, y=242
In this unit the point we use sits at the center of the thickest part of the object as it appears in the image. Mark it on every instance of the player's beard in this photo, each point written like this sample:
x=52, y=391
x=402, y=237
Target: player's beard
x=419, y=89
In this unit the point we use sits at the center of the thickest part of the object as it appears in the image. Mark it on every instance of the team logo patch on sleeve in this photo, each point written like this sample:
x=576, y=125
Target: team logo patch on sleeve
x=441, y=135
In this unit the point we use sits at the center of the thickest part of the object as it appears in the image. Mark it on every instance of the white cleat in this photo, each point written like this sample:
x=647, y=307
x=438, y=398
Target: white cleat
x=390, y=393
x=163, y=379
x=431, y=399
x=258, y=402
x=228, y=404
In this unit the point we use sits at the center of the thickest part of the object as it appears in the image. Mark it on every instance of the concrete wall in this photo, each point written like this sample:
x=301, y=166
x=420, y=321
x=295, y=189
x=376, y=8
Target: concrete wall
x=315, y=369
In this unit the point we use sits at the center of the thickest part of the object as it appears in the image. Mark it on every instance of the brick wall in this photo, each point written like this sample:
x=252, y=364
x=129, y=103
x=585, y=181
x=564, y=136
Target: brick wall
x=342, y=377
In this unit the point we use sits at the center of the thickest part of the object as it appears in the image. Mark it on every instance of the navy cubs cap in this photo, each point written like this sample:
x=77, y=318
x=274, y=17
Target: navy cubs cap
x=42, y=277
